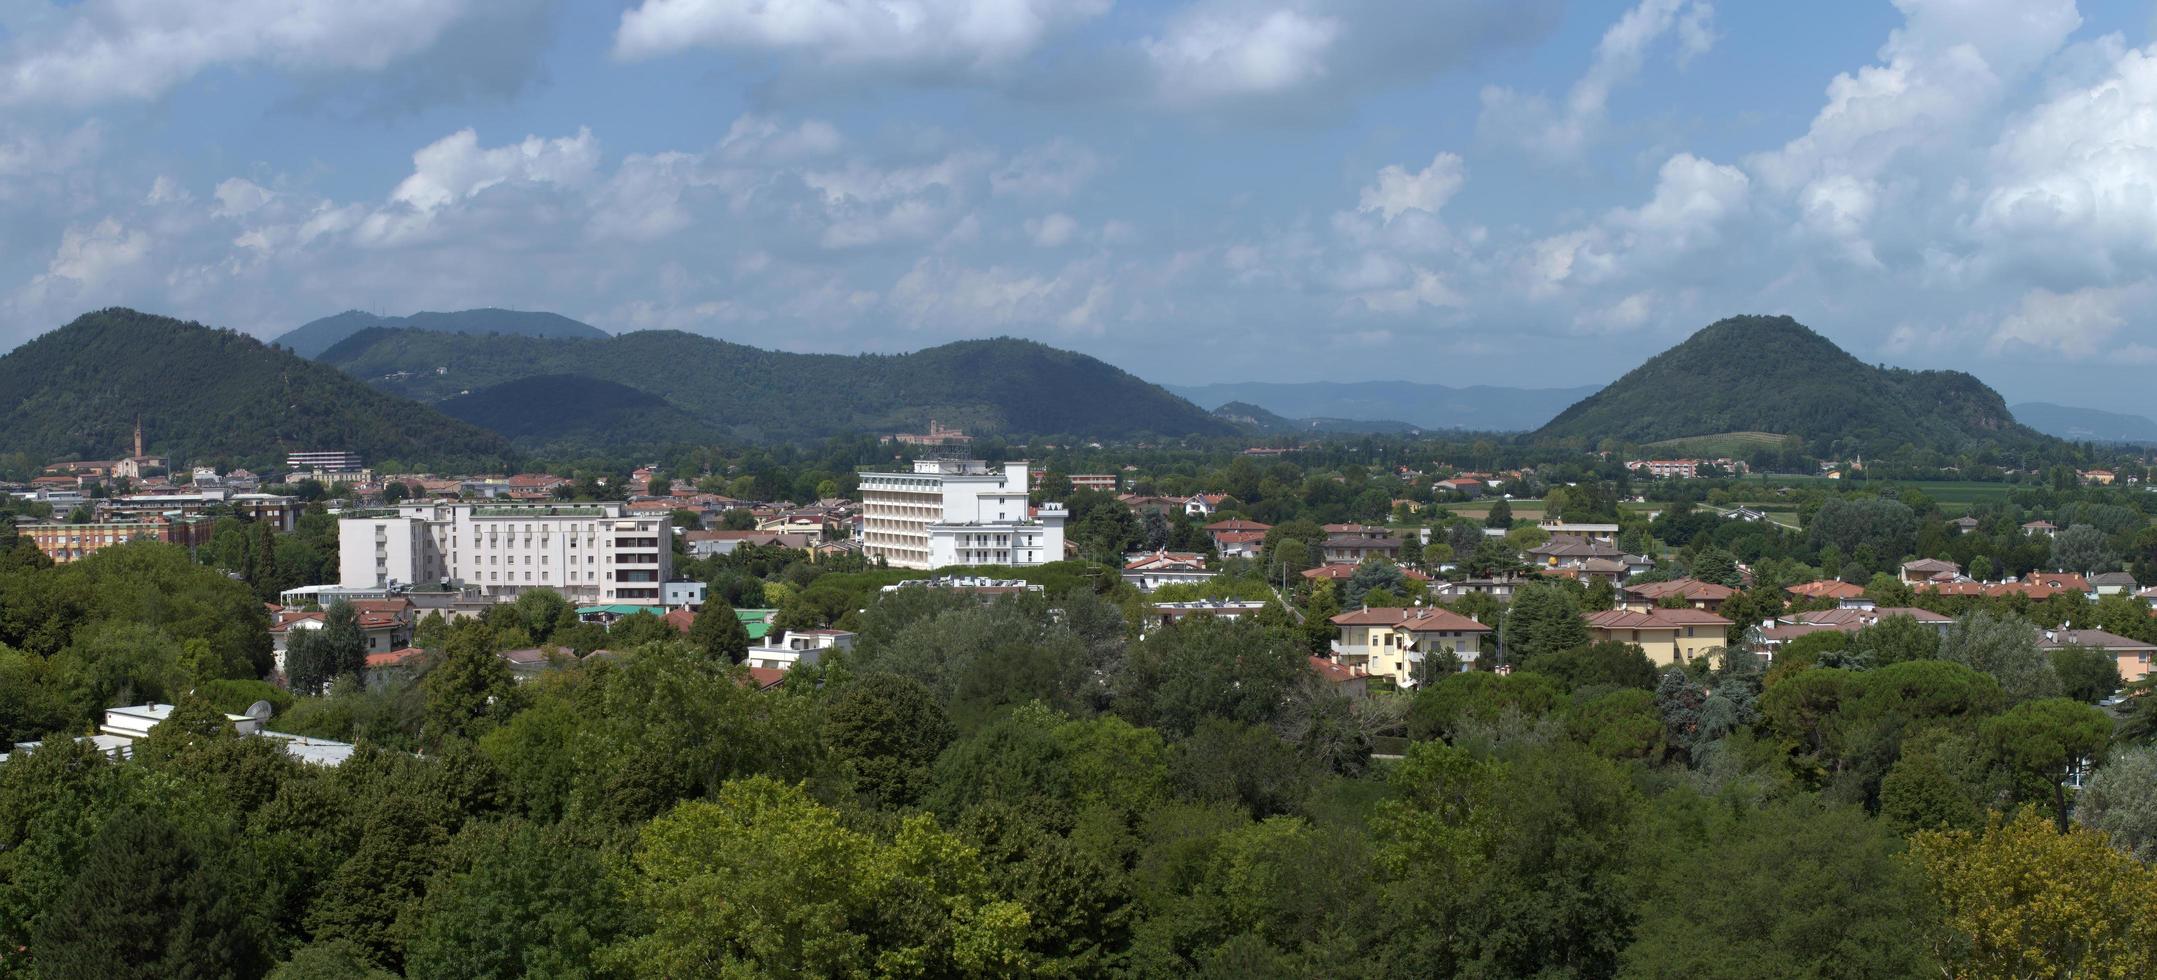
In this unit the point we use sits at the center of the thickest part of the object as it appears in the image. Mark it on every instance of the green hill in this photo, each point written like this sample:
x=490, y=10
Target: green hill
x=205, y=394
x=1761, y=374
x=312, y=338
x=984, y=386
x=571, y=409
x=1260, y=421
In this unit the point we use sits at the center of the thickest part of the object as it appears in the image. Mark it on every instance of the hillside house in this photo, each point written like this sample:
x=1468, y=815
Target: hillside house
x=1668, y=636
x=1390, y=642
x=1150, y=570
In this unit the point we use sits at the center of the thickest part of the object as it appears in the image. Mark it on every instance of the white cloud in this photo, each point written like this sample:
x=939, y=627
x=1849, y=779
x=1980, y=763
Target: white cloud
x=764, y=139
x=236, y=196
x=1229, y=51
x=105, y=50
x=939, y=293
x=1426, y=190
x=1053, y=231
x=2078, y=325
x=1054, y=169
x=1529, y=120
x=2072, y=188
x=936, y=35
x=456, y=168
x=92, y=256
x=1693, y=198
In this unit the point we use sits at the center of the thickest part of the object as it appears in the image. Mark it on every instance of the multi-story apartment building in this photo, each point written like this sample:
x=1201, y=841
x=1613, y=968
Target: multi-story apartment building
x=590, y=553
x=957, y=512
x=322, y=461
x=64, y=543
x=282, y=513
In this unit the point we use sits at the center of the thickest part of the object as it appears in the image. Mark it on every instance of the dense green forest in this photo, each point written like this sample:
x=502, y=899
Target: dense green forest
x=1002, y=385
x=205, y=395
x=1772, y=374
x=574, y=410
x=310, y=339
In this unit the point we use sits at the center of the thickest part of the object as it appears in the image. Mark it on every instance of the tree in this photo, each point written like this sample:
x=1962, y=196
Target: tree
x=718, y=633
x=341, y=644
x=2082, y=548
x=2023, y=900
x=1609, y=663
x=885, y=731
x=516, y=900
x=2086, y=674
x=2006, y=647
x=2121, y=801
x=2043, y=741
x=540, y=610
x=1500, y=516
x=147, y=903
x=470, y=688
x=1719, y=567
x=1154, y=531
x=763, y=881
x=1894, y=640
x=1795, y=890
x=1375, y=574
x=1543, y=619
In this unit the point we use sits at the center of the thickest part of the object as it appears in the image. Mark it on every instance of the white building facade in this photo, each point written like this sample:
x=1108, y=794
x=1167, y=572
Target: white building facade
x=957, y=512
x=590, y=553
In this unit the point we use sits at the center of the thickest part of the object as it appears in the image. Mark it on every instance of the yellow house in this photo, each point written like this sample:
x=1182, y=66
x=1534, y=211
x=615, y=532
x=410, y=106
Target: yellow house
x=1667, y=636
x=1390, y=642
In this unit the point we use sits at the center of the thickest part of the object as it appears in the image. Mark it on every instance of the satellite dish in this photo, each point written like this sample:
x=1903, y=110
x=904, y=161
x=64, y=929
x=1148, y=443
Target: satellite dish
x=260, y=711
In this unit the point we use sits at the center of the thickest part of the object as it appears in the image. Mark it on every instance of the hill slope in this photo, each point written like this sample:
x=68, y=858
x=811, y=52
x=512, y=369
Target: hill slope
x=2085, y=424
x=312, y=338
x=1483, y=408
x=574, y=409
x=1774, y=375
x=205, y=394
x=1260, y=421
x=1000, y=386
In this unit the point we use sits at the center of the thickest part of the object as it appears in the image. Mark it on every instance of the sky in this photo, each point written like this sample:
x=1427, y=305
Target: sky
x=1510, y=192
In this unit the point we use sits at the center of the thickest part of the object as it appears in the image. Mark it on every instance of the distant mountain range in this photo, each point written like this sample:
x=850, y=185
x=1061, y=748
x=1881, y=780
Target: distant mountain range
x=312, y=338
x=1000, y=386
x=205, y=395
x=1761, y=375
x=2085, y=424
x=1258, y=420
x=1483, y=408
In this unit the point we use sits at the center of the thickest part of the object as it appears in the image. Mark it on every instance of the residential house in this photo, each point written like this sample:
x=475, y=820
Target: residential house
x=1390, y=642
x=1354, y=542
x=1500, y=589
x=1828, y=588
x=2133, y=656
x=1238, y=538
x=1668, y=636
x=1569, y=551
x=1152, y=570
x=798, y=647
x=1204, y=505
x=1964, y=524
x=1930, y=570
x=2113, y=583
x=1341, y=571
x=1161, y=614
x=1144, y=505
x=1696, y=594
x=1603, y=534
x=1463, y=485
x=2046, y=528
x=1351, y=681
x=2102, y=478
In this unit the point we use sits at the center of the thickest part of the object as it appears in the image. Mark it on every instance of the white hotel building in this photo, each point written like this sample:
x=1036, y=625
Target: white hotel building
x=590, y=553
x=956, y=512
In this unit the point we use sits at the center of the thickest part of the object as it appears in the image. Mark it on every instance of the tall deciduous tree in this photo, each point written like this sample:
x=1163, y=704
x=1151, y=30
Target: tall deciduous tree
x=147, y=903
x=2021, y=899
x=2042, y=741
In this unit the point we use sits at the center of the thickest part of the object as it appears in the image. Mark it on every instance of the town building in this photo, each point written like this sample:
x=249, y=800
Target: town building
x=1390, y=642
x=805, y=647
x=2133, y=656
x=281, y=512
x=936, y=436
x=1667, y=636
x=1204, y=505
x=1925, y=570
x=65, y=543
x=1354, y=542
x=1104, y=482
x=957, y=512
x=1696, y=594
x=333, y=460
x=590, y=553
x=1161, y=614
x=1150, y=570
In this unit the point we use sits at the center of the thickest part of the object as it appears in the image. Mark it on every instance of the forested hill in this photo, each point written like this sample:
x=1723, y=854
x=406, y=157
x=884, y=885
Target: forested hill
x=1773, y=374
x=314, y=337
x=572, y=410
x=986, y=386
x=205, y=394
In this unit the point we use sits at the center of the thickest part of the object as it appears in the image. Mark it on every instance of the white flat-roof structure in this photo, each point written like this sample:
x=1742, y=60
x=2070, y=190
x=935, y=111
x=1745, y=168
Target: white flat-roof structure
x=957, y=512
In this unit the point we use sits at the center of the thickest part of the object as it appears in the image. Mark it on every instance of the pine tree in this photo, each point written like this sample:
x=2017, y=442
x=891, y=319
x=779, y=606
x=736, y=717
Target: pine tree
x=342, y=644
x=269, y=580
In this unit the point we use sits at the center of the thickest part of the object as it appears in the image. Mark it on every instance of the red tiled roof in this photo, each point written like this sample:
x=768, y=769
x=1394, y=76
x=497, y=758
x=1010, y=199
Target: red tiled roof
x=1336, y=673
x=680, y=619
x=1431, y=619
x=1653, y=619
x=1238, y=525
x=1687, y=587
x=395, y=658
x=1828, y=589
x=763, y=678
